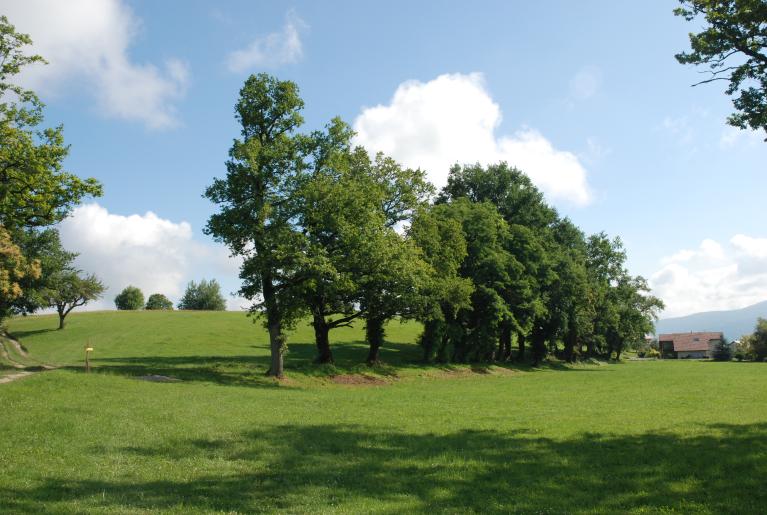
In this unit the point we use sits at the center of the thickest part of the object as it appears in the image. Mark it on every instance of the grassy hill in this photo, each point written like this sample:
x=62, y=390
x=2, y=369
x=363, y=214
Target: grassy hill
x=641, y=437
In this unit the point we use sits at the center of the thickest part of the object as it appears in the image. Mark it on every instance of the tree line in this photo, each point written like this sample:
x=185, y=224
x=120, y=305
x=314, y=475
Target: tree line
x=202, y=296
x=329, y=231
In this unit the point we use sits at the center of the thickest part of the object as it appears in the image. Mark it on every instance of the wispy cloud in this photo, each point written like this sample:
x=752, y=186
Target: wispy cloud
x=585, y=83
x=271, y=50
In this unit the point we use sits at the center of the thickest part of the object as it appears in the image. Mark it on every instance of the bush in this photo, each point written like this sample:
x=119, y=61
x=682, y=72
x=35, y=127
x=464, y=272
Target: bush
x=722, y=351
x=158, y=301
x=131, y=298
x=205, y=296
x=652, y=353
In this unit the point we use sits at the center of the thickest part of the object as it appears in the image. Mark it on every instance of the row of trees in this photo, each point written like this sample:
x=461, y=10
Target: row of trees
x=325, y=229
x=202, y=296
x=35, y=193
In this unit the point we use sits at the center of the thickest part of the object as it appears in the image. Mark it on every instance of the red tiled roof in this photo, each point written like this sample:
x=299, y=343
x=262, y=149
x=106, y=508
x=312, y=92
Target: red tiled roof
x=690, y=341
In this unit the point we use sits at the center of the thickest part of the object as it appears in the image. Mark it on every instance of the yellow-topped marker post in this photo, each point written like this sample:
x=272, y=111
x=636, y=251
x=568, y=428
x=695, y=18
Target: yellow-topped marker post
x=88, y=350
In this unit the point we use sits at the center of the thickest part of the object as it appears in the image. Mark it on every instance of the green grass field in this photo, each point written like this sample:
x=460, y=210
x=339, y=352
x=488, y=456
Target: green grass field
x=635, y=437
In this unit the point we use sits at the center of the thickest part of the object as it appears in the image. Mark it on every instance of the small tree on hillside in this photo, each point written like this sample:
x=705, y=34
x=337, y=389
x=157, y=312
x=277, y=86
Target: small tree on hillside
x=68, y=290
x=205, y=296
x=131, y=298
x=158, y=301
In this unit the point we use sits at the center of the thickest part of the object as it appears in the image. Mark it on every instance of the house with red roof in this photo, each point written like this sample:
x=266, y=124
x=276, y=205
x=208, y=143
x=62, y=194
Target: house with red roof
x=688, y=345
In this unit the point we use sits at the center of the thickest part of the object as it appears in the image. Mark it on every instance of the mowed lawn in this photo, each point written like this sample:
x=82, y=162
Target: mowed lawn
x=636, y=437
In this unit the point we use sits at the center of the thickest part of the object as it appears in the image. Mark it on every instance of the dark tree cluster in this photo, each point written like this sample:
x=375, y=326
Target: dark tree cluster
x=327, y=230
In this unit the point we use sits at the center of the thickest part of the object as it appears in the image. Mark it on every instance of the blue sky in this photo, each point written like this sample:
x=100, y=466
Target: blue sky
x=587, y=97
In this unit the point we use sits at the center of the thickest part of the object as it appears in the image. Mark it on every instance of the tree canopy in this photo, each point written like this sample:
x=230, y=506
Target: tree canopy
x=130, y=299
x=69, y=289
x=733, y=48
x=158, y=301
x=35, y=189
x=327, y=230
x=202, y=296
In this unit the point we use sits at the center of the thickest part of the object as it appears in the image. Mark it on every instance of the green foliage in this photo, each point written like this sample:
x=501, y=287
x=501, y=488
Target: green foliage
x=67, y=289
x=733, y=47
x=131, y=298
x=35, y=191
x=315, y=221
x=205, y=296
x=158, y=301
x=722, y=351
x=258, y=202
x=758, y=341
x=43, y=246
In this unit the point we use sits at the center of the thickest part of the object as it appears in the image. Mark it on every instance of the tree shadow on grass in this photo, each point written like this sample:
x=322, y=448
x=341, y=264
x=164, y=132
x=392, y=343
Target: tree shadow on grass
x=20, y=335
x=250, y=370
x=720, y=469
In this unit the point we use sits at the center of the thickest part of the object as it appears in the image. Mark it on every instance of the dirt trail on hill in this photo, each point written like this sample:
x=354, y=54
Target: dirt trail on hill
x=13, y=377
x=16, y=345
x=24, y=370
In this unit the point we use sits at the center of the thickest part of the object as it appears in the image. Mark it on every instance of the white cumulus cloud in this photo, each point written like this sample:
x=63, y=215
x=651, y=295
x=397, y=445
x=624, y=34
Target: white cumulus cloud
x=453, y=119
x=86, y=43
x=713, y=276
x=274, y=49
x=155, y=254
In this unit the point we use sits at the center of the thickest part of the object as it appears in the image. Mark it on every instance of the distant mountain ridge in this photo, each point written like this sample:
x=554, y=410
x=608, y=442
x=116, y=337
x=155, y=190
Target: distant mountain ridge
x=733, y=323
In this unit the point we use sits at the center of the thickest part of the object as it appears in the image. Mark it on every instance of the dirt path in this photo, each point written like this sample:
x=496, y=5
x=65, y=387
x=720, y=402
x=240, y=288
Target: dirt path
x=16, y=345
x=24, y=370
x=14, y=376
x=4, y=354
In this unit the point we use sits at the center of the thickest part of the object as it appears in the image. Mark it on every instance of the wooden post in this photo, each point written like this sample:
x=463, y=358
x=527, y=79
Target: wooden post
x=88, y=350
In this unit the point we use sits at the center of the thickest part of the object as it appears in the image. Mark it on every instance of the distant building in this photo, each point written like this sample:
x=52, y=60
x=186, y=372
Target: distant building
x=688, y=345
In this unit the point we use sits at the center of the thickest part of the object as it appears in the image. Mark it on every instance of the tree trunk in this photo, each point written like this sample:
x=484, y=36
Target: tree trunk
x=61, y=320
x=504, y=344
x=521, y=343
x=429, y=338
x=374, y=333
x=570, y=341
x=273, y=321
x=322, y=338
x=539, y=346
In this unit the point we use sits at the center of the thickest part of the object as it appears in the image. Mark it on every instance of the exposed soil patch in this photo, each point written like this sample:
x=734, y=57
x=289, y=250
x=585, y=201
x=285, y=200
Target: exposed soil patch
x=4, y=355
x=13, y=377
x=154, y=378
x=465, y=372
x=19, y=347
x=359, y=380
